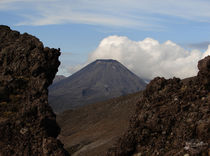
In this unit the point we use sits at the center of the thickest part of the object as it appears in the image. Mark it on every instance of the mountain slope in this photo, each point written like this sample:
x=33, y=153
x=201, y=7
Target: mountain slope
x=98, y=81
x=92, y=129
x=58, y=78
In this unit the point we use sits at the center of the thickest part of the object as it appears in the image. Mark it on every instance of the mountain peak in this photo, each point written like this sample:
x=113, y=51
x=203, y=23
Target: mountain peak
x=98, y=81
x=105, y=61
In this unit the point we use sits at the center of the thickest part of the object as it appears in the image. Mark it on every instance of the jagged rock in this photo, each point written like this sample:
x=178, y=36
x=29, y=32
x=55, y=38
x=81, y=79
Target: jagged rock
x=172, y=118
x=204, y=71
x=27, y=123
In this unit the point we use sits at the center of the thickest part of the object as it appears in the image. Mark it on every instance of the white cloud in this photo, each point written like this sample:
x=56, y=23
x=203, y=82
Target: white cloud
x=141, y=14
x=149, y=58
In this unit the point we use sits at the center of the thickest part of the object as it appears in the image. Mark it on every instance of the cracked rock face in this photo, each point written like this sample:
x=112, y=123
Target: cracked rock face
x=172, y=118
x=27, y=122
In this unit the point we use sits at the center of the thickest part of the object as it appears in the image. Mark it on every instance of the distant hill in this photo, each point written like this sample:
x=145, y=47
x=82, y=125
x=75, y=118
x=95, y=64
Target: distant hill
x=92, y=129
x=98, y=81
x=58, y=78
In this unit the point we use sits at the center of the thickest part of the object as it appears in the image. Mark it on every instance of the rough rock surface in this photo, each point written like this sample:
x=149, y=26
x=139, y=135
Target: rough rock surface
x=172, y=118
x=27, y=123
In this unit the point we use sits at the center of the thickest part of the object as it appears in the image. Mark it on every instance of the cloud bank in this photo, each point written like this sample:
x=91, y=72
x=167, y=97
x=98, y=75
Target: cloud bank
x=149, y=58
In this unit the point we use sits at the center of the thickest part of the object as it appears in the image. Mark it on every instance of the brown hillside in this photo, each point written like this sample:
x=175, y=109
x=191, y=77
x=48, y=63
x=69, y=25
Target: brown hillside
x=92, y=129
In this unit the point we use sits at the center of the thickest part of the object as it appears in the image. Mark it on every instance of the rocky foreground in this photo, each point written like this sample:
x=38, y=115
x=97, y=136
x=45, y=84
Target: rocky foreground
x=172, y=118
x=27, y=123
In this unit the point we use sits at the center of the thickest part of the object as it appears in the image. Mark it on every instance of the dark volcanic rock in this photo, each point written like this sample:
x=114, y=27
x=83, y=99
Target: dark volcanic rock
x=172, y=118
x=98, y=81
x=27, y=123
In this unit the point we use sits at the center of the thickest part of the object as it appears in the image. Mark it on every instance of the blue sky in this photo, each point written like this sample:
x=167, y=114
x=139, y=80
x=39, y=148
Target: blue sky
x=78, y=27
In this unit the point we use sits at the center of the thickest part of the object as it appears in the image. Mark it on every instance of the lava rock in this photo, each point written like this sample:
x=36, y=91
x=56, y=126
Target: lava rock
x=27, y=123
x=172, y=118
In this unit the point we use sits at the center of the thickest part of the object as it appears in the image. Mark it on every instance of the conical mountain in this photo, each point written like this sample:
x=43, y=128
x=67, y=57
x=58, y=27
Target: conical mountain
x=98, y=81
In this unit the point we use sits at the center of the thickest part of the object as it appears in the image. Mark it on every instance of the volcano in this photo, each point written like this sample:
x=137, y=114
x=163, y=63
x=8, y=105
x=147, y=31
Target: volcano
x=98, y=81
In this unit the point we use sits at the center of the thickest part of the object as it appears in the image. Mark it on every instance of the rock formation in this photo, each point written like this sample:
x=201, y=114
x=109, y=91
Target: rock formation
x=27, y=123
x=172, y=118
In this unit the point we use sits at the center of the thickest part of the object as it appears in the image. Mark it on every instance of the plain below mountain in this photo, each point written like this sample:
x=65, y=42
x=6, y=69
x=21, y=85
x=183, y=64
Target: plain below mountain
x=98, y=81
x=92, y=129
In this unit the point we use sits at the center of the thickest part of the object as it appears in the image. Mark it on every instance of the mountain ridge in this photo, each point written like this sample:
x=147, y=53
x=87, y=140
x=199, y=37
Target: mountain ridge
x=58, y=78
